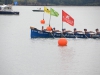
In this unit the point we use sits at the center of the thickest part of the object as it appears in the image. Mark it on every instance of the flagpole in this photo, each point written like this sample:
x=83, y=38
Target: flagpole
x=50, y=19
x=62, y=21
x=43, y=15
x=62, y=25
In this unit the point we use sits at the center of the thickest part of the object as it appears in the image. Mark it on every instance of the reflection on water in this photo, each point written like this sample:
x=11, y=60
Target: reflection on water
x=66, y=56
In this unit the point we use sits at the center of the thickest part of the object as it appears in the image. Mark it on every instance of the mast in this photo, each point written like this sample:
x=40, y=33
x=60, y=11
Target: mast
x=62, y=25
x=43, y=15
x=50, y=19
x=62, y=22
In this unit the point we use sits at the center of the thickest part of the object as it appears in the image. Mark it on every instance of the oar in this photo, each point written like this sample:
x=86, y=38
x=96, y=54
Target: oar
x=63, y=35
x=52, y=34
x=75, y=36
x=85, y=36
x=99, y=36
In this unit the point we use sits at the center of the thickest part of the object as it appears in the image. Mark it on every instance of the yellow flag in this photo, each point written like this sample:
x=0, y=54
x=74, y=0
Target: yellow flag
x=46, y=10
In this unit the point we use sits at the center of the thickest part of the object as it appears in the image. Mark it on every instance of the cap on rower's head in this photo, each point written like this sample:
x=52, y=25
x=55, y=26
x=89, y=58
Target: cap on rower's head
x=85, y=29
x=74, y=28
x=54, y=28
x=97, y=29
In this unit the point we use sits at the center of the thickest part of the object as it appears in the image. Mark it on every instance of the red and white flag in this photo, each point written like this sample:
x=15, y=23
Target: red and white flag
x=67, y=18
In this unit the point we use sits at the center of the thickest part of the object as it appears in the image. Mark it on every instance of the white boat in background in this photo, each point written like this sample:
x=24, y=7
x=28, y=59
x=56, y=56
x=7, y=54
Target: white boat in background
x=7, y=9
x=38, y=10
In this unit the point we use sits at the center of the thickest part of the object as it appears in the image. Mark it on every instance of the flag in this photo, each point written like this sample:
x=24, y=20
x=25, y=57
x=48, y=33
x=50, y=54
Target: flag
x=53, y=12
x=46, y=10
x=67, y=18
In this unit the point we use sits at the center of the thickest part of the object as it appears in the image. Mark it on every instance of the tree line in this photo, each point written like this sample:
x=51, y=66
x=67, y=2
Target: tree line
x=54, y=2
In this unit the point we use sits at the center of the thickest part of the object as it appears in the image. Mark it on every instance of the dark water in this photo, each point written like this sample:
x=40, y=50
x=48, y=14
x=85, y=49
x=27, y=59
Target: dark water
x=21, y=55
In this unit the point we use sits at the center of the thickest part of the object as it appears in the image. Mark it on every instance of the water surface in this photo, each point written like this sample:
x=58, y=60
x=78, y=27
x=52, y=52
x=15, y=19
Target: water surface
x=21, y=55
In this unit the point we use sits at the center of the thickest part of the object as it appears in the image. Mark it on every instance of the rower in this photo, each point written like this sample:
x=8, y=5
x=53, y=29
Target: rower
x=63, y=30
x=67, y=31
x=42, y=28
x=88, y=32
x=97, y=31
x=77, y=32
x=49, y=28
x=54, y=30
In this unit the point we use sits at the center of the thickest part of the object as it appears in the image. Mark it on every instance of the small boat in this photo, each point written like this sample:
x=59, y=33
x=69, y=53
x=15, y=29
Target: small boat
x=7, y=9
x=38, y=10
x=36, y=33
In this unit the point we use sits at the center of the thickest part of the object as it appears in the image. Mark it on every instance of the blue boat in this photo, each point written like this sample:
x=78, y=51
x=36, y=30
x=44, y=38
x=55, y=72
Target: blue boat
x=36, y=33
x=52, y=33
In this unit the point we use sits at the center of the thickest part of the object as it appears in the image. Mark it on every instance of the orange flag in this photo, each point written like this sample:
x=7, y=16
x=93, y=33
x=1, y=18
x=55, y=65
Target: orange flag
x=67, y=18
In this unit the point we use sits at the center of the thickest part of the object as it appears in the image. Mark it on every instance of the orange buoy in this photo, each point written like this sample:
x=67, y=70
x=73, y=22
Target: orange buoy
x=62, y=42
x=42, y=21
x=49, y=28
